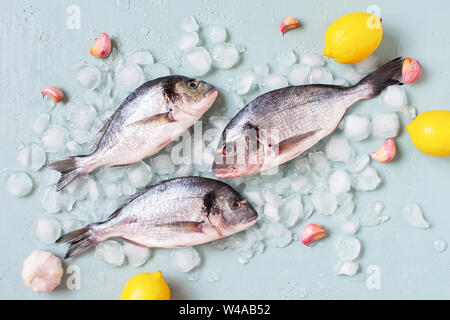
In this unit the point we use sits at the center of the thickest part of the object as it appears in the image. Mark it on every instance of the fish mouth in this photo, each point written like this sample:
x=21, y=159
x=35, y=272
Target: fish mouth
x=252, y=218
x=212, y=93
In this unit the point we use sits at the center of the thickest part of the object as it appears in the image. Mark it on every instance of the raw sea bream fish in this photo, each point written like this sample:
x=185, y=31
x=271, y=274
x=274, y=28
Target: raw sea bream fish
x=151, y=117
x=178, y=212
x=280, y=125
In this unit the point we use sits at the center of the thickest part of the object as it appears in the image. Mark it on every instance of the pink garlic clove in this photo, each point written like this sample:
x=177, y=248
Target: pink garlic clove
x=386, y=152
x=289, y=23
x=53, y=93
x=42, y=271
x=411, y=70
x=312, y=232
x=102, y=46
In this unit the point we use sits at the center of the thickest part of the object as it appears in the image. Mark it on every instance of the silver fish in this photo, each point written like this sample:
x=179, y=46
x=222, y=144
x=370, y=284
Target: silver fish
x=178, y=212
x=150, y=118
x=280, y=125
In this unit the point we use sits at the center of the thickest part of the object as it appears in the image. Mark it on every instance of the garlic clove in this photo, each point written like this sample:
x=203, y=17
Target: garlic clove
x=53, y=93
x=289, y=23
x=386, y=152
x=312, y=232
x=411, y=70
x=42, y=271
x=102, y=46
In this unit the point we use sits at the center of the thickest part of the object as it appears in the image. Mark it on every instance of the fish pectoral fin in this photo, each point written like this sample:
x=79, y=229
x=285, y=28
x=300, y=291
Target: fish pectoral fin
x=165, y=117
x=287, y=144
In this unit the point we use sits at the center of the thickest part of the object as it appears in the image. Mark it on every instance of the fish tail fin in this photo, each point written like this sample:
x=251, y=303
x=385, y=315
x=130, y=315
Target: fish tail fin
x=70, y=168
x=80, y=240
x=381, y=78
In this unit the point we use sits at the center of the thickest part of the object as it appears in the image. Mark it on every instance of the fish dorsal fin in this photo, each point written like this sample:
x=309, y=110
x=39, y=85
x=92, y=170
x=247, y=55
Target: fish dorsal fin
x=127, y=202
x=165, y=117
x=103, y=130
x=289, y=143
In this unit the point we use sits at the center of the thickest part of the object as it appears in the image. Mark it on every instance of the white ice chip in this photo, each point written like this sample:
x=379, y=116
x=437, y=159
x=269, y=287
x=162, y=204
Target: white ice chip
x=385, y=125
x=186, y=259
x=110, y=252
x=196, y=62
x=19, y=184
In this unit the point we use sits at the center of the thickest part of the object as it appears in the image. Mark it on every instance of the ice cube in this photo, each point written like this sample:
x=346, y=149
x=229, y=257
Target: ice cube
x=243, y=82
x=216, y=34
x=70, y=225
x=81, y=115
x=394, y=97
x=277, y=235
x=196, y=62
x=136, y=255
x=189, y=24
x=261, y=71
x=186, y=259
x=184, y=170
x=139, y=174
x=19, y=184
x=80, y=136
x=272, y=198
x=65, y=201
x=286, y=59
x=385, y=125
x=373, y=215
x=308, y=211
x=353, y=77
x=49, y=200
x=188, y=41
x=89, y=77
x=212, y=277
x=48, y=230
x=272, y=82
x=78, y=188
x=319, y=162
x=113, y=190
x=290, y=211
x=367, y=65
x=40, y=123
x=347, y=248
x=349, y=227
x=298, y=74
x=93, y=191
x=162, y=164
x=254, y=196
x=313, y=60
x=345, y=208
x=271, y=212
x=340, y=82
x=110, y=252
x=302, y=185
x=348, y=268
x=366, y=180
x=440, y=245
x=54, y=139
x=129, y=76
x=141, y=57
x=414, y=217
x=320, y=76
x=127, y=188
x=73, y=147
x=339, y=182
x=302, y=164
x=225, y=55
x=358, y=162
x=338, y=149
x=325, y=202
x=356, y=128
x=32, y=156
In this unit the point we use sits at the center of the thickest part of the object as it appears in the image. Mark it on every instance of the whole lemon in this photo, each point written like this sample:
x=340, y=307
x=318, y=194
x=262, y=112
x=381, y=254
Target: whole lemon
x=146, y=286
x=430, y=132
x=353, y=37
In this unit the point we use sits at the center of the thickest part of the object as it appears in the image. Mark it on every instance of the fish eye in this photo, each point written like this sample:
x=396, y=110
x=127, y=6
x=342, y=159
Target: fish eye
x=192, y=84
x=234, y=205
x=228, y=150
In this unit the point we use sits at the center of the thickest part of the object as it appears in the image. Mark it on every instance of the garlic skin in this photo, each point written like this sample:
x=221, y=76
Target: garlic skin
x=53, y=93
x=386, y=152
x=102, y=46
x=42, y=271
x=411, y=70
x=289, y=23
x=312, y=232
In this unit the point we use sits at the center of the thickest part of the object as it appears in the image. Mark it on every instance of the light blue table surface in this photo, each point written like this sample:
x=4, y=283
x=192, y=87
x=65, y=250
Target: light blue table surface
x=38, y=49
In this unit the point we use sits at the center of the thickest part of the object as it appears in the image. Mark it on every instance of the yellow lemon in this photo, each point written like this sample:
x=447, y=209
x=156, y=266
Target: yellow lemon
x=353, y=37
x=430, y=132
x=146, y=286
